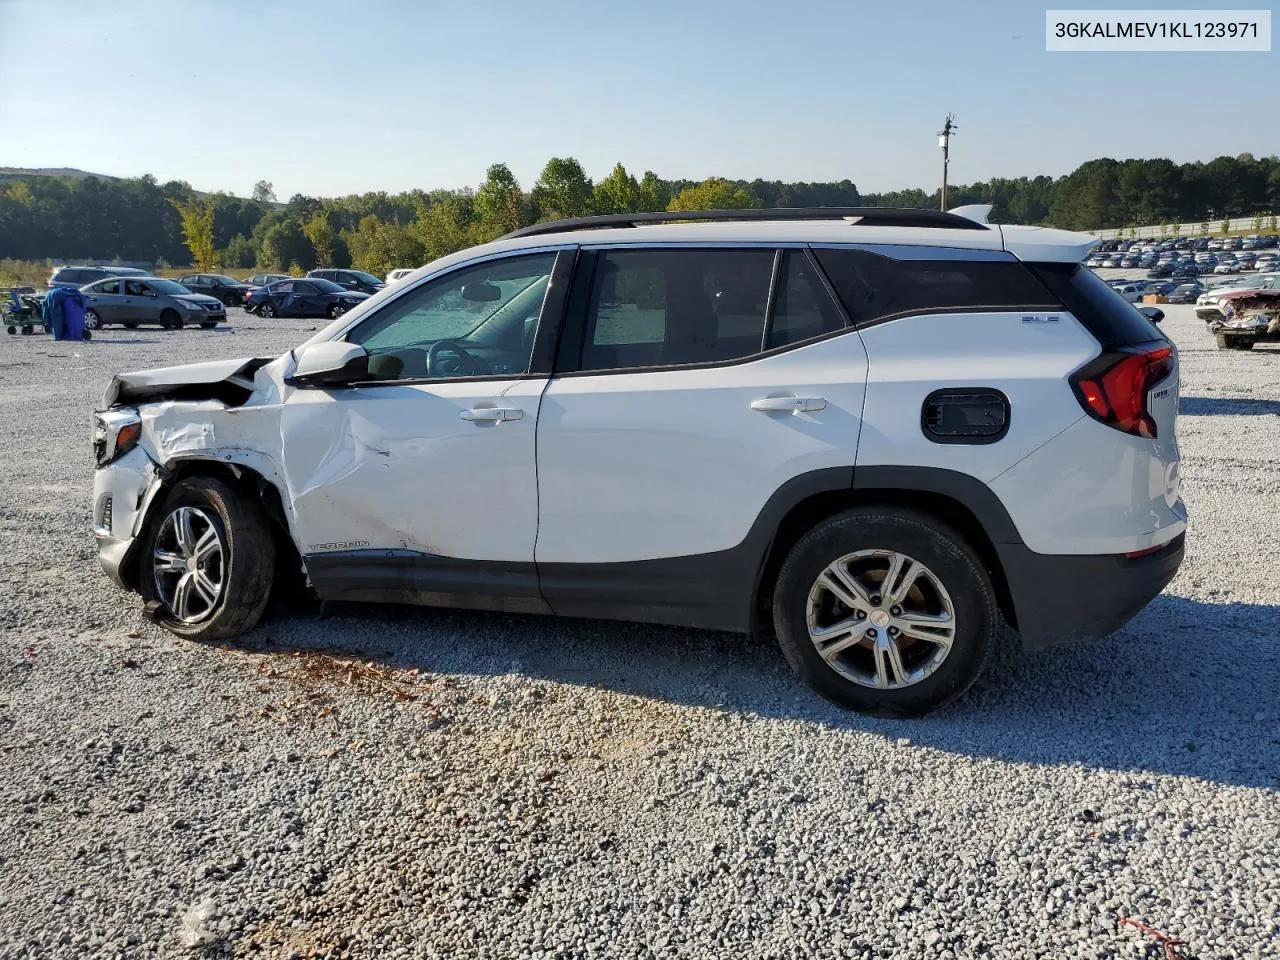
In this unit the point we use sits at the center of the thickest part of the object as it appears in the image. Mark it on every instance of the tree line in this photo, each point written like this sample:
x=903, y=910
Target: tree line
x=56, y=217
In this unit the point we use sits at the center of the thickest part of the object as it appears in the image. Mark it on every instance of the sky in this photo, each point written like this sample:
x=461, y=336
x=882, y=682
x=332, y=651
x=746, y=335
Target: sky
x=327, y=98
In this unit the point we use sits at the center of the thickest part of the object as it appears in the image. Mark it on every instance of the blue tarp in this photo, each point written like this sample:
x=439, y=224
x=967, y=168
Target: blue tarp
x=63, y=313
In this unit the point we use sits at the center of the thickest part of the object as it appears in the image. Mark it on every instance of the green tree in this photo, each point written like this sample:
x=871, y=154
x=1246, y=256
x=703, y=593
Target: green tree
x=619, y=192
x=240, y=253
x=284, y=244
x=320, y=232
x=714, y=193
x=381, y=247
x=563, y=190
x=197, y=230
x=499, y=203
x=1226, y=225
x=263, y=192
x=445, y=229
x=654, y=192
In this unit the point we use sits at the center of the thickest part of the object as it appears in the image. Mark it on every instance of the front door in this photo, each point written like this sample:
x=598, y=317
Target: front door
x=419, y=483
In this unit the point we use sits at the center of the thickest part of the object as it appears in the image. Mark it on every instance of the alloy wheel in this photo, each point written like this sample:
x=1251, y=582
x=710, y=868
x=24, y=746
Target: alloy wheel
x=189, y=563
x=881, y=619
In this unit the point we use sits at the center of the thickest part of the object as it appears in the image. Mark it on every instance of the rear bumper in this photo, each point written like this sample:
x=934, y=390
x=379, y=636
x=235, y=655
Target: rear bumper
x=1075, y=597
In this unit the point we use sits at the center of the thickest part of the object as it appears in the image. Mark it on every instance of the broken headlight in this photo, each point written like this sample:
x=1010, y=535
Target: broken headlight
x=115, y=433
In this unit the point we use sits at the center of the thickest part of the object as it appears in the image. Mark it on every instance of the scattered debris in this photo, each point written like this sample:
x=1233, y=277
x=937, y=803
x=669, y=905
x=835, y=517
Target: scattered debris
x=1163, y=939
x=195, y=931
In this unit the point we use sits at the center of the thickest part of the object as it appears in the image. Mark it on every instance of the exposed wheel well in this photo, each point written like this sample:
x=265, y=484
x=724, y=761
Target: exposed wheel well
x=808, y=513
x=247, y=481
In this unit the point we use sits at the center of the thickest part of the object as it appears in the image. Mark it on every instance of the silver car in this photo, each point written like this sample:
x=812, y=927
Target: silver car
x=130, y=301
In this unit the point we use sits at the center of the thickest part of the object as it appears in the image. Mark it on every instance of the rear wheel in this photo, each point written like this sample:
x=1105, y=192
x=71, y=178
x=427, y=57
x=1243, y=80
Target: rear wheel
x=335, y=311
x=91, y=320
x=208, y=560
x=171, y=320
x=267, y=310
x=885, y=610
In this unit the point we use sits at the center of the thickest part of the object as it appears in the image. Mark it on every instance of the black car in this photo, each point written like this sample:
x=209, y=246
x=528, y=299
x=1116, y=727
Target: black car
x=356, y=280
x=307, y=297
x=1186, y=293
x=1160, y=270
x=1185, y=269
x=227, y=289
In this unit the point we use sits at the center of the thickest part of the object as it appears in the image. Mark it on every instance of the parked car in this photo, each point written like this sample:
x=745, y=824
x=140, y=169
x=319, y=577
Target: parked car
x=395, y=276
x=80, y=276
x=262, y=279
x=229, y=290
x=1185, y=293
x=1209, y=303
x=1249, y=316
x=1227, y=266
x=302, y=297
x=1186, y=269
x=130, y=301
x=881, y=481
x=354, y=280
x=1131, y=292
x=1160, y=270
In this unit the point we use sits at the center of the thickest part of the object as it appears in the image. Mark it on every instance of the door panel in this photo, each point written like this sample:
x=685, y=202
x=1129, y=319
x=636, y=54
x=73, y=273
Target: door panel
x=415, y=468
x=669, y=463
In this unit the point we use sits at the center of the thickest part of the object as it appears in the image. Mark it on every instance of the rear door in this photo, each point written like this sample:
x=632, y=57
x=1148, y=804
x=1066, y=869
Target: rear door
x=692, y=384
x=105, y=300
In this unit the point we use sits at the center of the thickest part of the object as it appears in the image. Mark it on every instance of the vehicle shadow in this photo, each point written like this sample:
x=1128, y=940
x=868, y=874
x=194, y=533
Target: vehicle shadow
x=1188, y=688
x=1227, y=406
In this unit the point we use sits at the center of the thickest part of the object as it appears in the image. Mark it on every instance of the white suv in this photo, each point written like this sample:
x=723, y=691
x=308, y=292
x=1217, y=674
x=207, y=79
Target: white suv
x=875, y=433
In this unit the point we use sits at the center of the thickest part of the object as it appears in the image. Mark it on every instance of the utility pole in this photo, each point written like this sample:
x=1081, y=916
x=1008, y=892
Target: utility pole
x=944, y=141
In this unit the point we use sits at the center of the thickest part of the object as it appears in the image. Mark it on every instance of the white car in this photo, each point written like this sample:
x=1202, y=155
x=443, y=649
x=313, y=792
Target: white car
x=876, y=434
x=1208, y=306
x=401, y=273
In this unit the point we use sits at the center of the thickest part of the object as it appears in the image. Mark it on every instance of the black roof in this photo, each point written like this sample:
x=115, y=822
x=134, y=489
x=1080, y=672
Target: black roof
x=867, y=216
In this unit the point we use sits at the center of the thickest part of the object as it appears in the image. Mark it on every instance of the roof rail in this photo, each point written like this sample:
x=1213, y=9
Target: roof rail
x=863, y=216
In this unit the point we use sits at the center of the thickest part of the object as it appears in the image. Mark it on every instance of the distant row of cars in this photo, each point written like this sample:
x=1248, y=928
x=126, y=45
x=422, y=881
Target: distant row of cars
x=129, y=296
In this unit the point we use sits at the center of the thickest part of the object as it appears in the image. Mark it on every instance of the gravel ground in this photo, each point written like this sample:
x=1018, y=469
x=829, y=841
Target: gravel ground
x=418, y=783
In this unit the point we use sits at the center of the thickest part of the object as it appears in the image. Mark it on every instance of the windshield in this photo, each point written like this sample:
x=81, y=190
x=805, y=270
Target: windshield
x=325, y=286
x=167, y=286
x=223, y=278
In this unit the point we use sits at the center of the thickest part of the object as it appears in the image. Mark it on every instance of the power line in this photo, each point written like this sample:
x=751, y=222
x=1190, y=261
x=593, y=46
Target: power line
x=944, y=141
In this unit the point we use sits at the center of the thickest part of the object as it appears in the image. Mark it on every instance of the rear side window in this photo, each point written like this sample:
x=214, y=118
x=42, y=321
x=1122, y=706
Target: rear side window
x=873, y=287
x=1113, y=321
x=670, y=307
x=803, y=309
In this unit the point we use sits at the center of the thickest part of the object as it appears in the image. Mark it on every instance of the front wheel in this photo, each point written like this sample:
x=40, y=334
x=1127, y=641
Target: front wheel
x=208, y=561
x=171, y=320
x=886, y=611
x=335, y=311
x=91, y=320
x=268, y=310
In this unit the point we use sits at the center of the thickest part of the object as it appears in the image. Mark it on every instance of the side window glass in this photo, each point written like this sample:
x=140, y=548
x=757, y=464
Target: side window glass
x=286, y=287
x=134, y=288
x=875, y=287
x=301, y=287
x=673, y=307
x=476, y=321
x=110, y=286
x=802, y=308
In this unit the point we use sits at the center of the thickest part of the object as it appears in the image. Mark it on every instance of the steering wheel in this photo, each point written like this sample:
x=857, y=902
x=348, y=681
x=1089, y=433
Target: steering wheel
x=457, y=363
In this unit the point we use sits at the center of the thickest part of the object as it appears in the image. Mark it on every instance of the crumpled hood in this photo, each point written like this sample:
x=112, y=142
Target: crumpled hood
x=209, y=380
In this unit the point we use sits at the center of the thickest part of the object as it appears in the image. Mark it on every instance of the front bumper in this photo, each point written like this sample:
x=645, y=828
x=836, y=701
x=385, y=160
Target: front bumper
x=122, y=493
x=1074, y=597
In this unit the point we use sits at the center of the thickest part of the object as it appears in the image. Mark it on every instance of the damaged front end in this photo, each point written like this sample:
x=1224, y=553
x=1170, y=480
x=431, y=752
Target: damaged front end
x=152, y=424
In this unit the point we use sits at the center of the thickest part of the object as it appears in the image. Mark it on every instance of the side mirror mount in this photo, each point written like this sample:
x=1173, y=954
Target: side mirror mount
x=1154, y=314
x=329, y=364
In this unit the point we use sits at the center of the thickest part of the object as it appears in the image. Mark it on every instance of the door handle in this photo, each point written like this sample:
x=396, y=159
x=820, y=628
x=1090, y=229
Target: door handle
x=492, y=414
x=788, y=404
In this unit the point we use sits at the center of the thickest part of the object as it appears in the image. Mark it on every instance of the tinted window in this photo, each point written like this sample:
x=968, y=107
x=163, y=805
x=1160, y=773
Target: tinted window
x=476, y=321
x=874, y=287
x=107, y=286
x=665, y=307
x=802, y=308
x=326, y=286
x=301, y=287
x=1113, y=321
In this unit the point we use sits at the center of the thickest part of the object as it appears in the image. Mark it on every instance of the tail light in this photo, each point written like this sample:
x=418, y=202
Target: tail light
x=1113, y=388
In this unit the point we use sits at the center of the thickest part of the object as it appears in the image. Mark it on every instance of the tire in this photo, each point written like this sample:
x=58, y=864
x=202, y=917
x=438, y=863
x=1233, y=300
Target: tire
x=267, y=311
x=335, y=311
x=241, y=574
x=953, y=589
x=171, y=320
x=131, y=325
x=208, y=324
x=1228, y=341
x=91, y=320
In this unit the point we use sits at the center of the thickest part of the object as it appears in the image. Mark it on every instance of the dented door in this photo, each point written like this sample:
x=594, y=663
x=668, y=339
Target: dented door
x=438, y=469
